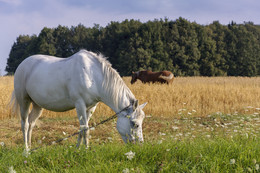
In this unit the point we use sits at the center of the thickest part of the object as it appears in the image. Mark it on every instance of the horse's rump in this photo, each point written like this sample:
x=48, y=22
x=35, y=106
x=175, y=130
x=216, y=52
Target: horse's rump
x=149, y=76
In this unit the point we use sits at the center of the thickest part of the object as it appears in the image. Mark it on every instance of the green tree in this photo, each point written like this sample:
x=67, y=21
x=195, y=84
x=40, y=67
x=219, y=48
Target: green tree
x=188, y=54
x=183, y=47
x=46, y=42
x=21, y=49
x=63, y=46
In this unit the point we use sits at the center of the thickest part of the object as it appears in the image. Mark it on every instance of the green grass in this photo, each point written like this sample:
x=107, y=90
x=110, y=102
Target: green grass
x=216, y=143
x=189, y=155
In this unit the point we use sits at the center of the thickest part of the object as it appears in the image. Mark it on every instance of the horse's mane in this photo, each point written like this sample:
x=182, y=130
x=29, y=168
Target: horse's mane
x=113, y=84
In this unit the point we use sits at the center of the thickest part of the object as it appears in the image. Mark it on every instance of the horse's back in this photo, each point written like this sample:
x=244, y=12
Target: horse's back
x=37, y=69
x=53, y=83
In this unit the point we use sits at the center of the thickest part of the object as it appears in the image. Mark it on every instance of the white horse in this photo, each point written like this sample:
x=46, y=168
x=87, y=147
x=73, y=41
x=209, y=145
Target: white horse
x=80, y=81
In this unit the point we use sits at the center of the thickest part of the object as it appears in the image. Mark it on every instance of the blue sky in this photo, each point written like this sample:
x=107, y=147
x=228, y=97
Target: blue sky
x=20, y=17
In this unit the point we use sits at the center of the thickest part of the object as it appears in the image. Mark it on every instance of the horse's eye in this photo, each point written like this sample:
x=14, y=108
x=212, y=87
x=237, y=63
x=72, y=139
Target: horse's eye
x=133, y=124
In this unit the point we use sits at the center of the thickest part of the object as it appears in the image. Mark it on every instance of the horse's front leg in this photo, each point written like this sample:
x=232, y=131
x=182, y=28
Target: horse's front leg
x=86, y=135
x=82, y=116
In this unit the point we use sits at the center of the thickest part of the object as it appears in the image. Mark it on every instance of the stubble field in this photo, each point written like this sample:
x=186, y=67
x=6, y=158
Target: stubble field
x=197, y=124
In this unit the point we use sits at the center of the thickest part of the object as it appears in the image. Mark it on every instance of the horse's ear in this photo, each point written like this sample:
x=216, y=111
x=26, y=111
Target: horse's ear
x=133, y=72
x=135, y=104
x=143, y=105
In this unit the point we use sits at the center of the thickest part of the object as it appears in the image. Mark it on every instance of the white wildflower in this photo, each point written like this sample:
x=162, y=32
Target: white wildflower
x=175, y=127
x=180, y=134
x=232, y=161
x=64, y=133
x=208, y=136
x=162, y=134
x=11, y=170
x=257, y=167
x=246, y=134
x=160, y=141
x=130, y=155
x=2, y=144
x=92, y=128
x=126, y=170
x=168, y=150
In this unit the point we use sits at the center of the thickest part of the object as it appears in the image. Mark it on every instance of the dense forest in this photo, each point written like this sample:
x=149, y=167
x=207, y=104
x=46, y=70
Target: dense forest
x=183, y=47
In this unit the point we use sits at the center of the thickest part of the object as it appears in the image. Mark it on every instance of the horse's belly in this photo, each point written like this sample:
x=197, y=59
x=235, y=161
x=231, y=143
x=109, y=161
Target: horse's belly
x=58, y=107
x=54, y=104
x=54, y=98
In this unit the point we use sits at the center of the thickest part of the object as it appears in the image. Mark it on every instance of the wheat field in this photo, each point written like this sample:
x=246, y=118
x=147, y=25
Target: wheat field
x=187, y=96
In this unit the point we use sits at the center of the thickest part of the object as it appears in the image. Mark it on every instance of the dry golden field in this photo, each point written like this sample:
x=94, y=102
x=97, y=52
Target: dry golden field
x=187, y=96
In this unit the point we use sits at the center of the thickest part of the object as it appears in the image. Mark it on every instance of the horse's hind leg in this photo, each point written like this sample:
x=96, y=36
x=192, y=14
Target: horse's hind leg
x=33, y=116
x=24, y=110
x=81, y=112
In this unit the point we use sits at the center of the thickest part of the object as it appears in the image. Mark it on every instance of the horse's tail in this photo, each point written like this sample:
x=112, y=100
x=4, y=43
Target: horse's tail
x=167, y=78
x=15, y=108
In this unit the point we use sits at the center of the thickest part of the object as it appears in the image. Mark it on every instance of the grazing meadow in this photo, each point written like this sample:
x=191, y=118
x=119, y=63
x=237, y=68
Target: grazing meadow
x=197, y=124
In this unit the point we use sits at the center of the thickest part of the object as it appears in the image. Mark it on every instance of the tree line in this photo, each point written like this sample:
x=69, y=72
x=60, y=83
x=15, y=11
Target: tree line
x=180, y=46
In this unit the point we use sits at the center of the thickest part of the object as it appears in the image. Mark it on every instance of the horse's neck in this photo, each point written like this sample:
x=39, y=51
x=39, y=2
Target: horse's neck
x=122, y=101
x=115, y=93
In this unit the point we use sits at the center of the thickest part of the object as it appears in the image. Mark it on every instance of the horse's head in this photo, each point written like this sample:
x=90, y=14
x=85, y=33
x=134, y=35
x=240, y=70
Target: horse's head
x=134, y=77
x=129, y=123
